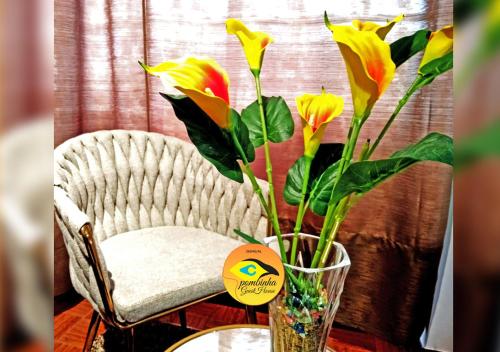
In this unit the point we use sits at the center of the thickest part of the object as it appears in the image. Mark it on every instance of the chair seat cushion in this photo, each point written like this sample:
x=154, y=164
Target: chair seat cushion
x=158, y=268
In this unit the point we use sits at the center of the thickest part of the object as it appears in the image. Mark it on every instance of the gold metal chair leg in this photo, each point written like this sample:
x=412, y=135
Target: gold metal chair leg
x=130, y=339
x=92, y=331
x=182, y=318
x=251, y=315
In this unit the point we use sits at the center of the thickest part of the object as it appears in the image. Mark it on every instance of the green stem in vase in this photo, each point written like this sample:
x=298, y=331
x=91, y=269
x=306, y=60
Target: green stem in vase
x=328, y=247
x=302, y=209
x=338, y=219
x=258, y=191
x=341, y=211
x=269, y=169
x=347, y=153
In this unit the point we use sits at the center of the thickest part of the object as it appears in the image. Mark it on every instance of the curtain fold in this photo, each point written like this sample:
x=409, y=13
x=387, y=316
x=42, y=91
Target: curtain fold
x=394, y=234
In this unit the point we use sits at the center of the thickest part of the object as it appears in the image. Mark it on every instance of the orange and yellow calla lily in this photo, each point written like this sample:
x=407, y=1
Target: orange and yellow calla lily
x=369, y=65
x=254, y=43
x=380, y=30
x=440, y=43
x=203, y=80
x=316, y=112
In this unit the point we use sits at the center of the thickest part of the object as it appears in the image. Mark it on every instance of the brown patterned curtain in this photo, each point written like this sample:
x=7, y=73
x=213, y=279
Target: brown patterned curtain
x=394, y=235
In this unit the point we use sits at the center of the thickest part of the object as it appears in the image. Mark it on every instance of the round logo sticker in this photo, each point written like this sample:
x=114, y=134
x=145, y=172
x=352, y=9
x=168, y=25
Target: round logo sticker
x=253, y=274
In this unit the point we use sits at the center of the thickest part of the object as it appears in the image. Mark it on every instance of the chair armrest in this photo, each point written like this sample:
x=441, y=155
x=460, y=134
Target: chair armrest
x=68, y=211
x=85, y=254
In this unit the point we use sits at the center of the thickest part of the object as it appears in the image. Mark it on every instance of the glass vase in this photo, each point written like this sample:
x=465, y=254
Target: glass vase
x=301, y=316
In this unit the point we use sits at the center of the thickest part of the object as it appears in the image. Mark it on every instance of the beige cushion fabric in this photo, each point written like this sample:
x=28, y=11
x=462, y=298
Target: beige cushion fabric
x=158, y=268
x=121, y=181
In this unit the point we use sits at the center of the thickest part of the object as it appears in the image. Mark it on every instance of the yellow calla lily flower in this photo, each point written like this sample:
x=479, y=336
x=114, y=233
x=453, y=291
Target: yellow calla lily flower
x=369, y=65
x=380, y=30
x=254, y=43
x=316, y=112
x=203, y=80
x=440, y=43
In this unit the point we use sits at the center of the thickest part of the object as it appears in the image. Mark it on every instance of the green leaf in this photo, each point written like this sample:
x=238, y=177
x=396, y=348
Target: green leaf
x=293, y=185
x=435, y=68
x=322, y=190
x=361, y=177
x=213, y=143
x=404, y=48
x=327, y=154
x=246, y=237
x=438, y=66
x=243, y=135
x=279, y=121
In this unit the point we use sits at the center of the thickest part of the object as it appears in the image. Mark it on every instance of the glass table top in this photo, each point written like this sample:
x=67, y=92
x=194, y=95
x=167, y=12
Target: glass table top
x=230, y=338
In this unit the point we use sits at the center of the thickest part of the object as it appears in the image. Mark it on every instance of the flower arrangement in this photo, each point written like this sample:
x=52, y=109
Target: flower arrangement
x=327, y=179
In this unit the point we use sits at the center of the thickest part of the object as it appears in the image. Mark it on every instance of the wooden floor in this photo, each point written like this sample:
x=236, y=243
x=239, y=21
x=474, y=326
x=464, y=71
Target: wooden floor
x=72, y=317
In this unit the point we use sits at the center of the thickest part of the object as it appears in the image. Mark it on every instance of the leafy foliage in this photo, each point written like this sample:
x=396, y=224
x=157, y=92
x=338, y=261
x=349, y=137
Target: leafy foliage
x=214, y=143
x=361, y=177
x=404, y=48
x=327, y=154
x=433, y=69
x=243, y=135
x=279, y=121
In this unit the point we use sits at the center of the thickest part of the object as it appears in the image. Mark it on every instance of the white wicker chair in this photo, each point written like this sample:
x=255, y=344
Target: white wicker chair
x=147, y=223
